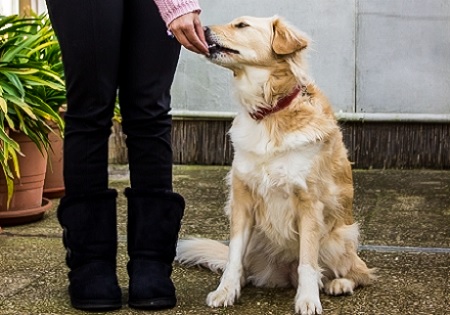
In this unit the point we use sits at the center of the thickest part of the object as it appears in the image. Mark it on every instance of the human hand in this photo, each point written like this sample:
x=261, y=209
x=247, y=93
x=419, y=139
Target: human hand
x=188, y=30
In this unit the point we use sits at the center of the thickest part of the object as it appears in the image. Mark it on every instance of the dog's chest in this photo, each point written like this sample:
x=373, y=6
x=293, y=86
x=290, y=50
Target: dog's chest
x=273, y=172
x=272, y=167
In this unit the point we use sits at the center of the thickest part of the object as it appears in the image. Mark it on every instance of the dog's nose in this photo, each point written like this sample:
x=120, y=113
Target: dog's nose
x=206, y=29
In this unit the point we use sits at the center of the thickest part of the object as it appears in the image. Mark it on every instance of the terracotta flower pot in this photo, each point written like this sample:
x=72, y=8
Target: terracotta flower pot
x=54, y=181
x=27, y=204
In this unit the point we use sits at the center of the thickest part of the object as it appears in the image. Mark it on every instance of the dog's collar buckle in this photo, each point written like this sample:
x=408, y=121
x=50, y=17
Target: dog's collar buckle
x=281, y=104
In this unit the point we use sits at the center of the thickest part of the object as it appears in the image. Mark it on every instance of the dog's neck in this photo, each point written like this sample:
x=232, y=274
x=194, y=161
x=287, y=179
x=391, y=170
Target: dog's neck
x=262, y=92
x=282, y=103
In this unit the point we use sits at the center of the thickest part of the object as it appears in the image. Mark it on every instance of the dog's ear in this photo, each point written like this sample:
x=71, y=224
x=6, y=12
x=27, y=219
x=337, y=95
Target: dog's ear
x=286, y=39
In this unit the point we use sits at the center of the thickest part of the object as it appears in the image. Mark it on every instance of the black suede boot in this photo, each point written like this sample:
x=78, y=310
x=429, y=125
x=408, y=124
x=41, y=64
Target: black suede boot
x=154, y=220
x=90, y=236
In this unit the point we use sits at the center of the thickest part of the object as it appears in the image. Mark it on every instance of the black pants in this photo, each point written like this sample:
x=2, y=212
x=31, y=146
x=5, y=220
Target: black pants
x=109, y=45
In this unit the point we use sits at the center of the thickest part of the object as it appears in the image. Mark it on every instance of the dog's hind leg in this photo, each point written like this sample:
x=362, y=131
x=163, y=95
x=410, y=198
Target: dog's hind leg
x=358, y=275
x=345, y=270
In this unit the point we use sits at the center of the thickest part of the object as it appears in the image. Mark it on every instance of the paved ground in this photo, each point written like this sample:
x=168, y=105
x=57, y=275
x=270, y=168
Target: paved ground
x=405, y=223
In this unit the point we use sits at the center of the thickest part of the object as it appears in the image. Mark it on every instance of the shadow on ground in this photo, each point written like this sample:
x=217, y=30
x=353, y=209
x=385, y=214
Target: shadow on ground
x=405, y=225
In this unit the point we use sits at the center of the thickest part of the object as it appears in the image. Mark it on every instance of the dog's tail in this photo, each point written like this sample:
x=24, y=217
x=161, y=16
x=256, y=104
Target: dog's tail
x=203, y=252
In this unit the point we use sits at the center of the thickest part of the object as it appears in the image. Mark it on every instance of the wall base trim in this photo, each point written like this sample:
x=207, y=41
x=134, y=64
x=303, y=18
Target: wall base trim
x=370, y=144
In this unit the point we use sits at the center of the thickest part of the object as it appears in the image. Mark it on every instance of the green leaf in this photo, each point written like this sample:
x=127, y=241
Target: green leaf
x=15, y=81
x=3, y=105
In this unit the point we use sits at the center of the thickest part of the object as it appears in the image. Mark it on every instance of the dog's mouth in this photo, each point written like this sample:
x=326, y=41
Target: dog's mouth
x=215, y=48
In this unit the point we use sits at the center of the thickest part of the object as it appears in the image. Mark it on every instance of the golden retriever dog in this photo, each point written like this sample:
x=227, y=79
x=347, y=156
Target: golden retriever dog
x=291, y=190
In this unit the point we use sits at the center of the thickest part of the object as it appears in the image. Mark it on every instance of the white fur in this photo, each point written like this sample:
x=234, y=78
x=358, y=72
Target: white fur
x=192, y=252
x=307, y=299
x=230, y=285
x=250, y=87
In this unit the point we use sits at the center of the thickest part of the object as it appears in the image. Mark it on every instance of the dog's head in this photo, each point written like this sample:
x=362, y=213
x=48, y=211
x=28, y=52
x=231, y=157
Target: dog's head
x=253, y=41
x=265, y=55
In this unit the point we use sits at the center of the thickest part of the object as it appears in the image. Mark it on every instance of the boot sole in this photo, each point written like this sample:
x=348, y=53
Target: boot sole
x=96, y=305
x=153, y=304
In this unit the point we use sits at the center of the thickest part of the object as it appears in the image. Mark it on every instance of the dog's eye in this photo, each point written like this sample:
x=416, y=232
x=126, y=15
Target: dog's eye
x=241, y=25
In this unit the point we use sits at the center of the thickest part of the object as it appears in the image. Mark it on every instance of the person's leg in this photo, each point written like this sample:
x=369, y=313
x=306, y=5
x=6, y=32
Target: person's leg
x=149, y=61
x=89, y=32
x=148, y=65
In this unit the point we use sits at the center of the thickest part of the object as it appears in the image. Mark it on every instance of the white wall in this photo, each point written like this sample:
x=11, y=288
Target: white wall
x=403, y=56
x=8, y=7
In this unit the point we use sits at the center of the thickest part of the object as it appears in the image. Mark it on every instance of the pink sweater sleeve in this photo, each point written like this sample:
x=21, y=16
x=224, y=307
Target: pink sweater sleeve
x=171, y=9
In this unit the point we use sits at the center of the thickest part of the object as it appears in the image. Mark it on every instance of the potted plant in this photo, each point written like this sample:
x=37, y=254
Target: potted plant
x=27, y=83
x=56, y=99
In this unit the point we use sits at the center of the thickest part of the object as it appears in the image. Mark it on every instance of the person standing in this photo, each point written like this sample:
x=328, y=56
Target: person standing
x=131, y=46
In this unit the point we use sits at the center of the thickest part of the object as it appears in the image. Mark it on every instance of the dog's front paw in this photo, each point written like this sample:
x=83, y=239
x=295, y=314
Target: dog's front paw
x=308, y=305
x=228, y=291
x=307, y=299
x=222, y=297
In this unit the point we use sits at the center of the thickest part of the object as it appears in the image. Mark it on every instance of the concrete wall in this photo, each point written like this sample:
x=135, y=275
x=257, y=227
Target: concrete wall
x=403, y=56
x=369, y=56
x=8, y=7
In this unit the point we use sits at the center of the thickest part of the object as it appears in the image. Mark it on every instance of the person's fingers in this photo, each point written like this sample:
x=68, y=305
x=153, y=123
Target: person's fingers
x=194, y=39
x=189, y=32
x=184, y=41
x=201, y=34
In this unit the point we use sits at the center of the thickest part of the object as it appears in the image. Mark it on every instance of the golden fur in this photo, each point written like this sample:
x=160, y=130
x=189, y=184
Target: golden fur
x=291, y=190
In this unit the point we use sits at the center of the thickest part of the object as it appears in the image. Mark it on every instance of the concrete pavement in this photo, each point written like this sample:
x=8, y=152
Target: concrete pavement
x=405, y=226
